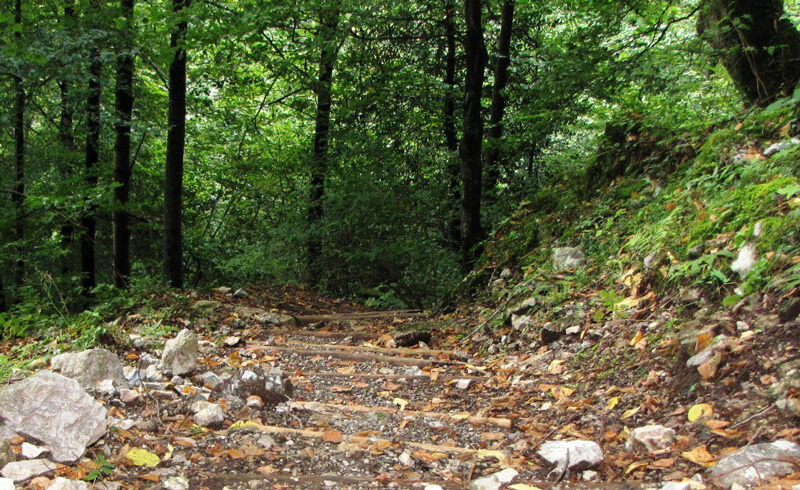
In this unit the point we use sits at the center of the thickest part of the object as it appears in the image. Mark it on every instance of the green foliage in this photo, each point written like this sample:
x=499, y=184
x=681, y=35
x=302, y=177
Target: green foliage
x=102, y=468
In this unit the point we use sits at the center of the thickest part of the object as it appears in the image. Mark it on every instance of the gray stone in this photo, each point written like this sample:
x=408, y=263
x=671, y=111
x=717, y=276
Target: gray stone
x=568, y=258
x=695, y=252
x=6, y=484
x=463, y=384
x=789, y=309
x=62, y=483
x=232, y=341
x=29, y=451
x=571, y=455
x=519, y=322
x=207, y=414
x=91, y=368
x=778, y=147
x=176, y=483
x=271, y=385
x=754, y=465
x=651, y=438
x=718, y=344
x=23, y=470
x=206, y=306
x=745, y=260
x=209, y=380
x=54, y=410
x=494, y=481
x=180, y=353
x=788, y=379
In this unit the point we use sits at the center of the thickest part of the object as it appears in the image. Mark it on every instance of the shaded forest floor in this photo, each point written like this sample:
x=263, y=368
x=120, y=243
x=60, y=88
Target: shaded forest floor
x=367, y=414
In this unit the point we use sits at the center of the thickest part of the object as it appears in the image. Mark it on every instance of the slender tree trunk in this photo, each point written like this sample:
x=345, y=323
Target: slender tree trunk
x=759, y=47
x=3, y=304
x=88, y=221
x=494, y=154
x=176, y=140
x=66, y=135
x=122, y=150
x=472, y=136
x=329, y=20
x=18, y=197
x=450, y=135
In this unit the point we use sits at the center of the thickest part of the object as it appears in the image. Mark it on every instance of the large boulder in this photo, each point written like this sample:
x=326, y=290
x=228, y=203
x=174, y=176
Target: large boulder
x=93, y=369
x=55, y=410
x=755, y=465
x=272, y=386
x=571, y=455
x=180, y=353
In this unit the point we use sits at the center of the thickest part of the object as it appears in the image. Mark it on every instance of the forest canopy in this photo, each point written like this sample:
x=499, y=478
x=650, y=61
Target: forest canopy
x=365, y=148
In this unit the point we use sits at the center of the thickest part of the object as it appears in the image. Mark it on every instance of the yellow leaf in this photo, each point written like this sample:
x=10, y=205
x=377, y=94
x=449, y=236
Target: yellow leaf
x=636, y=466
x=400, y=403
x=142, y=457
x=630, y=413
x=461, y=416
x=245, y=424
x=699, y=411
x=699, y=455
x=561, y=392
x=636, y=338
x=612, y=403
x=522, y=486
x=489, y=453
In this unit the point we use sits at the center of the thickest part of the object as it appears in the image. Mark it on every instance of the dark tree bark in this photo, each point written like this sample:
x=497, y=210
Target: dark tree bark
x=88, y=222
x=757, y=45
x=450, y=134
x=494, y=154
x=122, y=150
x=329, y=20
x=176, y=140
x=66, y=135
x=472, y=136
x=18, y=197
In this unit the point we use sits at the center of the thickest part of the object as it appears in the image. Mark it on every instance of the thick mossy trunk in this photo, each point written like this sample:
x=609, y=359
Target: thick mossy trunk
x=757, y=45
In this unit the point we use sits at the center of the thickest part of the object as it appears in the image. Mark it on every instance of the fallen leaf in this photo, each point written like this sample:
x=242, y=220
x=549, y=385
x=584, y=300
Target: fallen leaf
x=699, y=455
x=630, y=413
x=561, y=392
x=149, y=477
x=613, y=402
x=332, y=435
x=492, y=436
x=400, y=403
x=142, y=457
x=699, y=411
x=662, y=464
x=636, y=466
x=346, y=370
x=636, y=338
x=523, y=486
x=391, y=386
x=557, y=366
x=427, y=457
x=717, y=424
x=341, y=388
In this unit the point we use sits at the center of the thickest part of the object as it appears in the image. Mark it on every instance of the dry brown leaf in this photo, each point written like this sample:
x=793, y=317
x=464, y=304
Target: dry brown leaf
x=717, y=424
x=332, y=435
x=492, y=436
x=561, y=392
x=662, y=464
x=149, y=477
x=391, y=386
x=236, y=453
x=699, y=455
x=427, y=457
x=341, y=388
x=346, y=370
x=636, y=466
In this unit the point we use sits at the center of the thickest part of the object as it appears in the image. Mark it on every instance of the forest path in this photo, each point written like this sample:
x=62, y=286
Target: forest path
x=367, y=414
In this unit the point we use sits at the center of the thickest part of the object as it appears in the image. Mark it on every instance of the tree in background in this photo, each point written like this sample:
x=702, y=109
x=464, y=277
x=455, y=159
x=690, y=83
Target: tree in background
x=758, y=45
x=18, y=192
x=472, y=135
x=176, y=141
x=328, y=48
x=122, y=148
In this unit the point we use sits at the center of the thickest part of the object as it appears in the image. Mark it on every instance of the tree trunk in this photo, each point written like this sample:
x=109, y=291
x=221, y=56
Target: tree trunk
x=88, y=222
x=66, y=135
x=757, y=45
x=472, y=136
x=329, y=20
x=176, y=139
x=450, y=135
x=18, y=197
x=122, y=150
x=494, y=153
